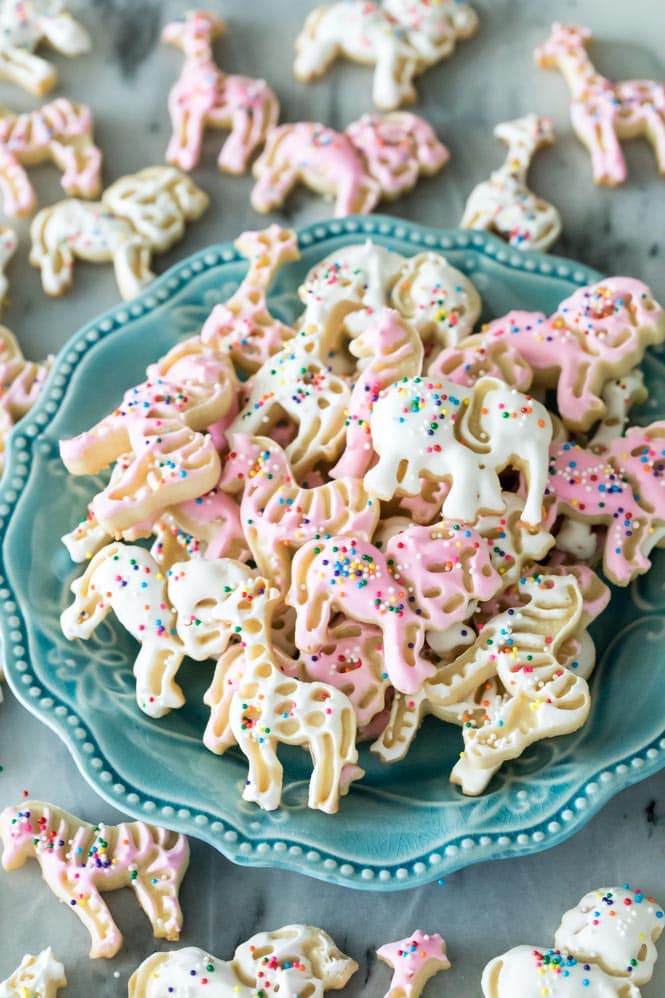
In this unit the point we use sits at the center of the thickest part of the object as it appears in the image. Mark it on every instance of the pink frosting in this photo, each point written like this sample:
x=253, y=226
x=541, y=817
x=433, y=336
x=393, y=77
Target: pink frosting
x=599, y=332
x=413, y=960
x=205, y=96
x=465, y=364
x=624, y=488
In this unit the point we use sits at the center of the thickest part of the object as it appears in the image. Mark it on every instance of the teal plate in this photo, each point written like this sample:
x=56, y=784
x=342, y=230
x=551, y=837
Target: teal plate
x=401, y=826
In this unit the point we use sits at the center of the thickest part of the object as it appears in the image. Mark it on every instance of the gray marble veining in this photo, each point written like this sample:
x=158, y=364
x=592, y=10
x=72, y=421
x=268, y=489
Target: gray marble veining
x=487, y=908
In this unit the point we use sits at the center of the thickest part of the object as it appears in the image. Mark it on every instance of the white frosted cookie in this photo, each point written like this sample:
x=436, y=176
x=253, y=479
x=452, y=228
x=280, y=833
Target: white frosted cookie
x=436, y=298
x=39, y=976
x=291, y=961
x=616, y=928
x=539, y=972
x=26, y=26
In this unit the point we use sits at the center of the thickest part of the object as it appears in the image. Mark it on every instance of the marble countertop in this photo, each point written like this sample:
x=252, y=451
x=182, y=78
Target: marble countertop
x=488, y=908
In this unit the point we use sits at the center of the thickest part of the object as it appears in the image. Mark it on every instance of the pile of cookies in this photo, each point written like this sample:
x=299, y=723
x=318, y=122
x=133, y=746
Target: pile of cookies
x=375, y=514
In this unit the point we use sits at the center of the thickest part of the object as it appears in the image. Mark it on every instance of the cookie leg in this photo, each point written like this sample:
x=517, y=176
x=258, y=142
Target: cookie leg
x=157, y=893
x=655, y=130
x=83, y=898
x=131, y=263
x=265, y=775
x=18, y=196
x=393, y=77
x=80, y=163
x=56, y=263
x=26, y=70
x=155, y=670
x=273, y=186
x=184, y=149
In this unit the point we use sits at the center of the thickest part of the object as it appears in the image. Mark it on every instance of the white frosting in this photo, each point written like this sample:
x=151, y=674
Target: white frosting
x=290, y=961
x=197, y=590
x=444, y=431
x=138, y=214
x=616, y=928
x=401, y=38
x=39, y=976
x=23, y=26
x=436, y=298
x=504, y=204
x=619, y=396
x=536, y=971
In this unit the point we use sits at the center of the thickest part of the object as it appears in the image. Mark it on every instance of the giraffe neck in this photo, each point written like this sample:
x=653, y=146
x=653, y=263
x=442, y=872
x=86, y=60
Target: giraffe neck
x=579, y=72
x=517, y=161
x=198, y=53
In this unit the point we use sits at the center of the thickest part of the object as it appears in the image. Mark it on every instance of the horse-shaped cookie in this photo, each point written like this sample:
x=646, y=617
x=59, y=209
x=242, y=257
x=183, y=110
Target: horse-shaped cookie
x=139, y=214
x=80, y=861
x=504, y=204
x=60, y=131
x=602, y=112
x=378, y=156
x=292, y=961
x=446, y=432
x=205, y=97
x=401, y=38
x=24, y=26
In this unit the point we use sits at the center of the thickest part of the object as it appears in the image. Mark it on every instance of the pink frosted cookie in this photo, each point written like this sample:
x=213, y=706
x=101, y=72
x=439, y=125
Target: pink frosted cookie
x=293, y=961
x=622, y=489
x=60, y=131
x=604, y=113
x=446, y=432
x=205, y=97
x=278, y=516
x=243, y=325
x=80, y=861
x=600, y=332
x=26, y=26
x=139, y=214
x=504, y=204
x=401, y=38
x=473, y=359
x=414, y=961
x=21, y=381
x=378, y=156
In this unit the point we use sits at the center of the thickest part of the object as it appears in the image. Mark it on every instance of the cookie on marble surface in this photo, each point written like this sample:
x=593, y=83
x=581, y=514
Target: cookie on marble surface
x=39, y=976
x=24, y=27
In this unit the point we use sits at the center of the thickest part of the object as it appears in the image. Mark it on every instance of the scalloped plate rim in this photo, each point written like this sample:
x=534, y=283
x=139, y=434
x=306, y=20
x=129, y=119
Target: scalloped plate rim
x=455, y=853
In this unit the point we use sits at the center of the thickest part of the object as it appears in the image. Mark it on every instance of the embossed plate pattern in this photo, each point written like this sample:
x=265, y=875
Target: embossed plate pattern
x=403, y=825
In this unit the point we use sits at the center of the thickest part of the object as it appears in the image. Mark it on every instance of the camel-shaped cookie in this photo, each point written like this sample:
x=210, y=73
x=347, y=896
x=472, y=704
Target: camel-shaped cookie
x=623, y=489
x=290, y=962
x=443, y=431
x=357, y=579
x=378, y=156
x=268, y=707
x=25, y=26
x=60, y=131
x=242, y=326
x=599, y=333
x=205, y=97
x=139, y=214
x=160, y=422
x=278, y=516
x=401, y=38
x=603, y=113
x=39, y=976
x=80, y=861
x=504, y=204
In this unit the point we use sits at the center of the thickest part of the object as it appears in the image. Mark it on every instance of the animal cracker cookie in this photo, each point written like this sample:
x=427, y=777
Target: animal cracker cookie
x=39, y=976
x=378, y=156
x=205, y=97
x=504, y=204
x=160, y=424
x=355, y=578
x=616, y=928
x=623, y=488
x=269, y=708
x=436, y=298
x=139, y=214
x=599, y=333
x=401, y=38
x=8, y=244
x=444, y=431
x=603, y=113
x=21, y=381
x=414, y=961
x=534, y=971
x=80, y=861
x=278, y=517
x=26, y=25
x=60, y=131
x=291, y=961
x=243, y=325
